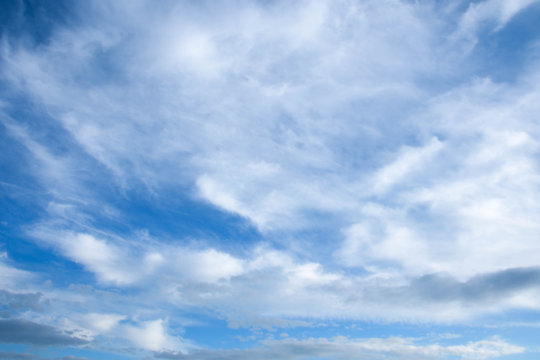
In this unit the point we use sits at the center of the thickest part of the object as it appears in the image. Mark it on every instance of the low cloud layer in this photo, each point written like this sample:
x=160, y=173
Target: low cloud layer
x=349, y=349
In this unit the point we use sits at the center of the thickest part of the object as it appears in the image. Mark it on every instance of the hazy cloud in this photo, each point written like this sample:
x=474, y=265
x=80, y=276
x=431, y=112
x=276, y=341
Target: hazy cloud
x=20, y=301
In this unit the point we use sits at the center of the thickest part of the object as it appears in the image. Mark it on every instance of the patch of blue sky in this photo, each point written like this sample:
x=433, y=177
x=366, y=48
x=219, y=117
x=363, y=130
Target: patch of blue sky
x=503, y=54
x=33, y=21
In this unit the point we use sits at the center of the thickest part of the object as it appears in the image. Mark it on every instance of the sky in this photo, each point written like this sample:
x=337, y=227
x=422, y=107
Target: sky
x=261, y=180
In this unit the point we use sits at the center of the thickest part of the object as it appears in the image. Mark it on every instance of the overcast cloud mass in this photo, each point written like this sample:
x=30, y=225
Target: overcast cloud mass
x=261, y=180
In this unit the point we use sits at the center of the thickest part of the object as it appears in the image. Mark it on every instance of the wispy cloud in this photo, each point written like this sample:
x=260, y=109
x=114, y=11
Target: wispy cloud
x=10, y=276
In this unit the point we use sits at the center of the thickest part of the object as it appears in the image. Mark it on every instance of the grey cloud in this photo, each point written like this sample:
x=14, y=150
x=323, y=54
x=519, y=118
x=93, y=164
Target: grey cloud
x=20, y=301
x=27, y=332
x=502, y=282
x=444, y=288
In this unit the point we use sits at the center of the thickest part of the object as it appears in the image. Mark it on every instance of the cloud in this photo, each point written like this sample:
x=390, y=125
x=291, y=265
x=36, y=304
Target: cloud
x=486, y=16
x=27, y=332
x=466, y=211
x=345, y=348
x=103, y=258
x=55, y=171
x=481, y=290
x=152, y=335
x=11, y=302
x=407, y=160
x=102, y=323
x=487, y=286
x=498, y=11
x=115, y=261
x=9, y=275
x=267, y=288
x=208, y=265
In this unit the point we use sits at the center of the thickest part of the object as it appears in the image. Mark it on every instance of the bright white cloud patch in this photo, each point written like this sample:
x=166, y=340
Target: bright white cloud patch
x=106, y=260
x=151, y=335
x=103, y=322
x=407, y=161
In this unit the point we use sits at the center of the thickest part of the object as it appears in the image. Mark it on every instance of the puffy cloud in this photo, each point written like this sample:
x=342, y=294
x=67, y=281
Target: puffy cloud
x=151, y=335
x=119, y=262
x=103, y=258
x=102, y=323
x=207, y=265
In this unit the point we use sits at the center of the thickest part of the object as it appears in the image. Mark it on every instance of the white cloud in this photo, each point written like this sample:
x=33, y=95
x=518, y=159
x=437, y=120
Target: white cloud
x=102, y=323
x=110, y=263
x=151, y=335
x=208, y=265
x=56, y=172
x=407, y=161
x=119, y=262
x=470, y=209
x=11, y=277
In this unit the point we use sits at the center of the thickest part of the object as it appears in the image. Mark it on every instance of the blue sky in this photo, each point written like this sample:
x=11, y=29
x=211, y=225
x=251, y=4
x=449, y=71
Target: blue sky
x=305, y=180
